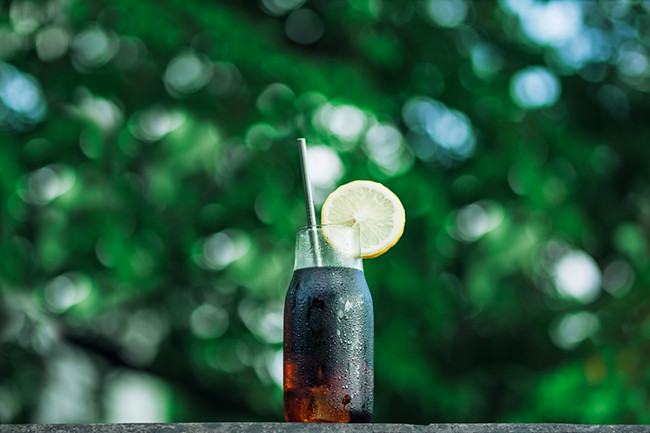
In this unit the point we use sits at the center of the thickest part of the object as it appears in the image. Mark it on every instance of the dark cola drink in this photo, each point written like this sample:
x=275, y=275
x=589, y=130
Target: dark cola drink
x=328, y=339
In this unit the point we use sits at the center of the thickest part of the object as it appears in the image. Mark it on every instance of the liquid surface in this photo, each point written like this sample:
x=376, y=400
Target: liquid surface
x=328, y=346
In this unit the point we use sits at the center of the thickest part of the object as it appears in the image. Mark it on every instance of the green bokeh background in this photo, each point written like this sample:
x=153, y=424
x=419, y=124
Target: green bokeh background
x=150, y=192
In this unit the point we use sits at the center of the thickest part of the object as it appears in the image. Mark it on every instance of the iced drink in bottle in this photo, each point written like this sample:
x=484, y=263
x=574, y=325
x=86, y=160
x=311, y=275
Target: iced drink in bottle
x=328, y=330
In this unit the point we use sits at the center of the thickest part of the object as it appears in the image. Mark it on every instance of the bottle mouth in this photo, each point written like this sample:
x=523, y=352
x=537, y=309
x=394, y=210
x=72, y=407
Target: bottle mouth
x=321, y=226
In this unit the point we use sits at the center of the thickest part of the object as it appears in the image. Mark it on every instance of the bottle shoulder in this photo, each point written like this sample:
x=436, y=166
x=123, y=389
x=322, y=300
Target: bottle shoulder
x=335, y=277
x=339, y=282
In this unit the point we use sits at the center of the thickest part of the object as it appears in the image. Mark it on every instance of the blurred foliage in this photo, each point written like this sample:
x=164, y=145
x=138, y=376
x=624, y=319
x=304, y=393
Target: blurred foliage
x=150, y=195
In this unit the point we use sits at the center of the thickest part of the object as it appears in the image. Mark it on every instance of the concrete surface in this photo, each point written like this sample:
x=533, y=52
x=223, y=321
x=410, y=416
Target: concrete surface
x=319, y=428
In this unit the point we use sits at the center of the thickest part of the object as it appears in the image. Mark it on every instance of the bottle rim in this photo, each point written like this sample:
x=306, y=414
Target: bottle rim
x=320, y=226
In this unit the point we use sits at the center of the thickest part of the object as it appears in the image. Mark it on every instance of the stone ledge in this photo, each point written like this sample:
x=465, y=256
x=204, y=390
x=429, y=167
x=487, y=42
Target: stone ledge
x=318, y=428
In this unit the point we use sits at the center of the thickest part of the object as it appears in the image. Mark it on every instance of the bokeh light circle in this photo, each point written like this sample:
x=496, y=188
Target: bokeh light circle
x=535, y=87
x=304, y=27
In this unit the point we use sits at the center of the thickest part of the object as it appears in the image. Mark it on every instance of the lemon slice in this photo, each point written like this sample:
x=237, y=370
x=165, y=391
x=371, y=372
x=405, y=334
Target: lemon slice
x=373, y=208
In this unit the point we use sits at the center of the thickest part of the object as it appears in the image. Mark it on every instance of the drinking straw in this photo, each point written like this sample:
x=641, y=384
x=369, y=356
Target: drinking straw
x=309, y=201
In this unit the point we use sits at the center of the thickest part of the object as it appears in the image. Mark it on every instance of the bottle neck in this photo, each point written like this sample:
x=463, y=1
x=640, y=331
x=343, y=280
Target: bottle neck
x=328, y=246
x=302, y=262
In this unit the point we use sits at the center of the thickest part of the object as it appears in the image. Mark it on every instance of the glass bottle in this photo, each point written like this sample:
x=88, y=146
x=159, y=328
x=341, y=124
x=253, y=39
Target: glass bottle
x=328, y=330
